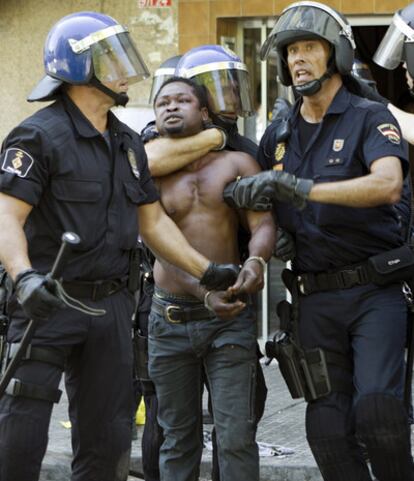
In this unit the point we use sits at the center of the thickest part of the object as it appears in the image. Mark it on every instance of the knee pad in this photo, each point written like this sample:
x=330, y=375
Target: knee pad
x=382, y=423
x=333, y=446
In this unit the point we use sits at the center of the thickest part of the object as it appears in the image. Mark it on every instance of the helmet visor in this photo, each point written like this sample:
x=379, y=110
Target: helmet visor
x=160, y=76
x=228, y=91
x=390, y=52
x=116, y=58
x=302, y=20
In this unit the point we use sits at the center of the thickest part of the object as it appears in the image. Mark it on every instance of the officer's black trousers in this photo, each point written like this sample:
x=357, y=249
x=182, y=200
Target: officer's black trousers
x=98, y=377
x=367, y=324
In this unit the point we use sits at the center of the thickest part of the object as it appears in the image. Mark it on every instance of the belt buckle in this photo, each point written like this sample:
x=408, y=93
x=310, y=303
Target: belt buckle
x=168, y=311
x=349, y=277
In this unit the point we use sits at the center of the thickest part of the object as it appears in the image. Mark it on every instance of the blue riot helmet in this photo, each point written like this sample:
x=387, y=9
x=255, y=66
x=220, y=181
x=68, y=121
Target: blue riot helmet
x=165, y=71
x=305, y=21
x=398, y=43
x=223, y=74
x=89, y=48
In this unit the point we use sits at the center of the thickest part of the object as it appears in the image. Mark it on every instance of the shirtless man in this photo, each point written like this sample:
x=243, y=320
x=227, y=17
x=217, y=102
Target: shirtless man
x=190, y=327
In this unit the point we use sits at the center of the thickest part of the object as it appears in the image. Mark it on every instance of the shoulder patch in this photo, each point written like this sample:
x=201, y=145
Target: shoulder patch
x=391, y=132
x=17, y=161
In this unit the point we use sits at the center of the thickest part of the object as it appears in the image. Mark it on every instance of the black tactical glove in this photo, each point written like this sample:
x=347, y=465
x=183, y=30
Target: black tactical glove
x=246, y=193
x=219, y=277
x=149, y=132
x=36, y=294
x=285, y=246
x=210, y=125
x=259, y=191
x=363, y=89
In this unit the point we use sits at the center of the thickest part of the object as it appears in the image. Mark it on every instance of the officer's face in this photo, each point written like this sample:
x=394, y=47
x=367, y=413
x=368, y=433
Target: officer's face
x=307, y=60
x=177, y=111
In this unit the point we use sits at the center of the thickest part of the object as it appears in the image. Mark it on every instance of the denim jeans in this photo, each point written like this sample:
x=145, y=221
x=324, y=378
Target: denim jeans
x=227, y=350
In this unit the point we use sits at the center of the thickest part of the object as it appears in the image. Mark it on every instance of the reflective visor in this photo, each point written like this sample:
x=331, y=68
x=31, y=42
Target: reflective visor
x=228, y=91
x=307, y=17
x=390, y=52
x=115, y=58
x=160, y=76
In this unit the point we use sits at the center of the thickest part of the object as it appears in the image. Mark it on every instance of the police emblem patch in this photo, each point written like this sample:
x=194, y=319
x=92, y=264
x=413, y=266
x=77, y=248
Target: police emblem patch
x=17, y=161
x=280, y=151
x=133, y=163
x=391, y=132
x=338, y=145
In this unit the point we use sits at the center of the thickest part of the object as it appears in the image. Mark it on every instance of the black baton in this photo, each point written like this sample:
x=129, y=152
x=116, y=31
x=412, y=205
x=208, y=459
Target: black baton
x=69, y=239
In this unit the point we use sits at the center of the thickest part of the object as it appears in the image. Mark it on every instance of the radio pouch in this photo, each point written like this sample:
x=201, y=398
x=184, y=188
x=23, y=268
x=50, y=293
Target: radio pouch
x=392, y=266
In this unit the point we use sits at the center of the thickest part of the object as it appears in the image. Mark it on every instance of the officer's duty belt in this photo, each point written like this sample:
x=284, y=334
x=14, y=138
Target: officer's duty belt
x=177, y=314
x=95, y=290
x=341, y=279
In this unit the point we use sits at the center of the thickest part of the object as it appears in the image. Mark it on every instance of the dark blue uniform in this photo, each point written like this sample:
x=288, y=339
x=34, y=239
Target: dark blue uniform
x=77, y=180
x=366, y=324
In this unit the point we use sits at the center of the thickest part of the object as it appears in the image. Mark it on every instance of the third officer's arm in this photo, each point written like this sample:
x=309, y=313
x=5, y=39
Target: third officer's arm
x=166, y=155
x=406, y=121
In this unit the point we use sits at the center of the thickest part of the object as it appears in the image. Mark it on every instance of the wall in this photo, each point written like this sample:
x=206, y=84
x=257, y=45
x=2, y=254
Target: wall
x=24, y=25
x=198, y=19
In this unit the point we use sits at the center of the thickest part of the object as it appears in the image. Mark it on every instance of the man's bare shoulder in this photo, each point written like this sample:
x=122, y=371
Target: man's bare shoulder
x=245, y=163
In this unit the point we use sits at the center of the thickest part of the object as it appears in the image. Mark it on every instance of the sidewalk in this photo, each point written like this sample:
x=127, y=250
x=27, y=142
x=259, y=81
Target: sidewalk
x=282, y=425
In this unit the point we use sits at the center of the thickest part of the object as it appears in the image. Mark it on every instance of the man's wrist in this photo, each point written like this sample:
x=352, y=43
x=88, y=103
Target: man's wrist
x=258, y=259
x=206, y=301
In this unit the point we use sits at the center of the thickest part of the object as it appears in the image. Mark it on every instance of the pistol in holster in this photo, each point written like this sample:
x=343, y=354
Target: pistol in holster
x=305, y=371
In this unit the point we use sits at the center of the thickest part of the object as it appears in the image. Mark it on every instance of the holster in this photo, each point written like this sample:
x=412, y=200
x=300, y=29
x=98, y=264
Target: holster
x=304, y=371
x=141, y=357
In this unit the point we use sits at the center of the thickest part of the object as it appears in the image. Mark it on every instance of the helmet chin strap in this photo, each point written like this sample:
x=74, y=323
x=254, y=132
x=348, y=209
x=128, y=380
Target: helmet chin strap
x=311, y=88
x=119, y=98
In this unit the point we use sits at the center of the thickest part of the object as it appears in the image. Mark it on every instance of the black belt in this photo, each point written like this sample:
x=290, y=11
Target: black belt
x=95, y=290
x=341, y=279
x=177, y=314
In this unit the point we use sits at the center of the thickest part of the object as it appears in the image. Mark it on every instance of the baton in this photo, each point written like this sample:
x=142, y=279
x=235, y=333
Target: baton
x=69, y=239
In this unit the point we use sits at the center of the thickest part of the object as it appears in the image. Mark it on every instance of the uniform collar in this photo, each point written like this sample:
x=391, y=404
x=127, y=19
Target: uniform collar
x=81, y=124
x=338, y=105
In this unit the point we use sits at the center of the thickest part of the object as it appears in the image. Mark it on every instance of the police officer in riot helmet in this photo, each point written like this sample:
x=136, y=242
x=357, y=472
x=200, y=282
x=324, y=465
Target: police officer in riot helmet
x=397, y=47
x=73, y=166
x=332, y=183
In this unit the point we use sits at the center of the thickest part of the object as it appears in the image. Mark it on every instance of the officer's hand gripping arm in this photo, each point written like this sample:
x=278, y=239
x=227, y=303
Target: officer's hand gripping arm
x=258, y=192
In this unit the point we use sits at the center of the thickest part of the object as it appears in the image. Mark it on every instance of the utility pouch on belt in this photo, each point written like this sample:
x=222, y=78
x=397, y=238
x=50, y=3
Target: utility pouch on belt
x=141, y=357
x=392, y=266
x=134, y=270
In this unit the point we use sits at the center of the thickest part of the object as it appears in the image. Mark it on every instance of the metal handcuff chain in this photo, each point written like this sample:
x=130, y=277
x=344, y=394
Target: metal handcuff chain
x=76, y=303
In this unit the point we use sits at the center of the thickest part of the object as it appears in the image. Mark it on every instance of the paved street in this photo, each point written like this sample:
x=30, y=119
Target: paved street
x=282, y=425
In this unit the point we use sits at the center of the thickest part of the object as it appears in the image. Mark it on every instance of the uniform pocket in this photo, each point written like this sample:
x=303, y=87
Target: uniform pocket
x=77, y=190
x=79, y=203
x=134, y=197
